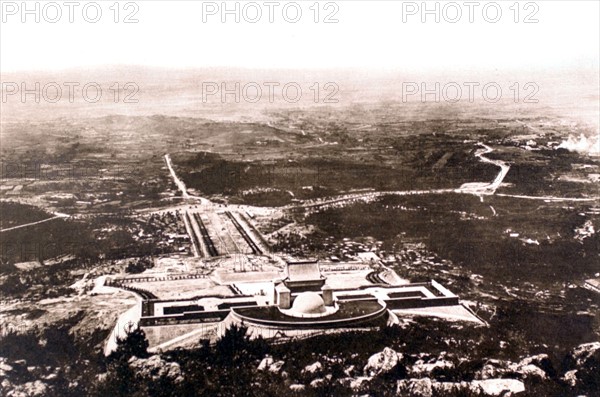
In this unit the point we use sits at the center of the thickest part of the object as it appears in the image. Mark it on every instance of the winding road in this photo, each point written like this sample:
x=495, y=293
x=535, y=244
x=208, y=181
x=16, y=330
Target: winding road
x=478, y=188
x=475, y=188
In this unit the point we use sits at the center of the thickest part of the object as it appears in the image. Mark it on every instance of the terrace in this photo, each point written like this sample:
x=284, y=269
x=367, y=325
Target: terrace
x=348, y=314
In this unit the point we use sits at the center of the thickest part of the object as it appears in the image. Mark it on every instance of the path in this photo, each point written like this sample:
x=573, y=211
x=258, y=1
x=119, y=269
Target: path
x=57, y=216
x=476, y=188
x=180, y=184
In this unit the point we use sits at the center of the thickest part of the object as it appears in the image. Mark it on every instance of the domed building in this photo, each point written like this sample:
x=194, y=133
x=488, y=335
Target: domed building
x=309, y=303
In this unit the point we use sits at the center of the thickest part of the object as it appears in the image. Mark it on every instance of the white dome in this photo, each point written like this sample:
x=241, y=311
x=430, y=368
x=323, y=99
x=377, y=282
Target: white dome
x=309, y=303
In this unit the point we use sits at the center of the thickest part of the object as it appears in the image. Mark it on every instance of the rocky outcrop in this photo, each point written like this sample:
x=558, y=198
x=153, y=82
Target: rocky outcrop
x=383, y=362
x=350, y=370
x=276, y=366
x=313, y=368
x=29, y=389
x=423, y=368
x=268, y=364
x=296, y=387
x=534, y=367
x=531, y=371
x=317, y=383
x=499, y=387
x=358, y=383
x=5, y=368
x=156, y=368
x=570, y=378
x=582, y=353
x=582, y=365
x=18, y=379
x=425, y=387
x=492, y=369
x=265, y=363
x=415, y=387
x=538, y=366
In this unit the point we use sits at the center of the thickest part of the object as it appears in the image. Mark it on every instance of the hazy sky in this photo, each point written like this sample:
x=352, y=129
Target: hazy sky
x=369, y=34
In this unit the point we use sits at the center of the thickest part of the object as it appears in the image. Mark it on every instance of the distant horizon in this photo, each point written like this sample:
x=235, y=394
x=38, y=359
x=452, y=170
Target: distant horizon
x=573, y=65
x=338, y=71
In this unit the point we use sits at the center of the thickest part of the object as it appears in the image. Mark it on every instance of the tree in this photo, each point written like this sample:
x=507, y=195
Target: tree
x=233, y=342
x=139, y=265
x=235, y=345
x=133, y=344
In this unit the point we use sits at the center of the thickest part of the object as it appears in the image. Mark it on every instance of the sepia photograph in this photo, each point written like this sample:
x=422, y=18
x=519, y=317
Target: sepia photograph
x=362, y=198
